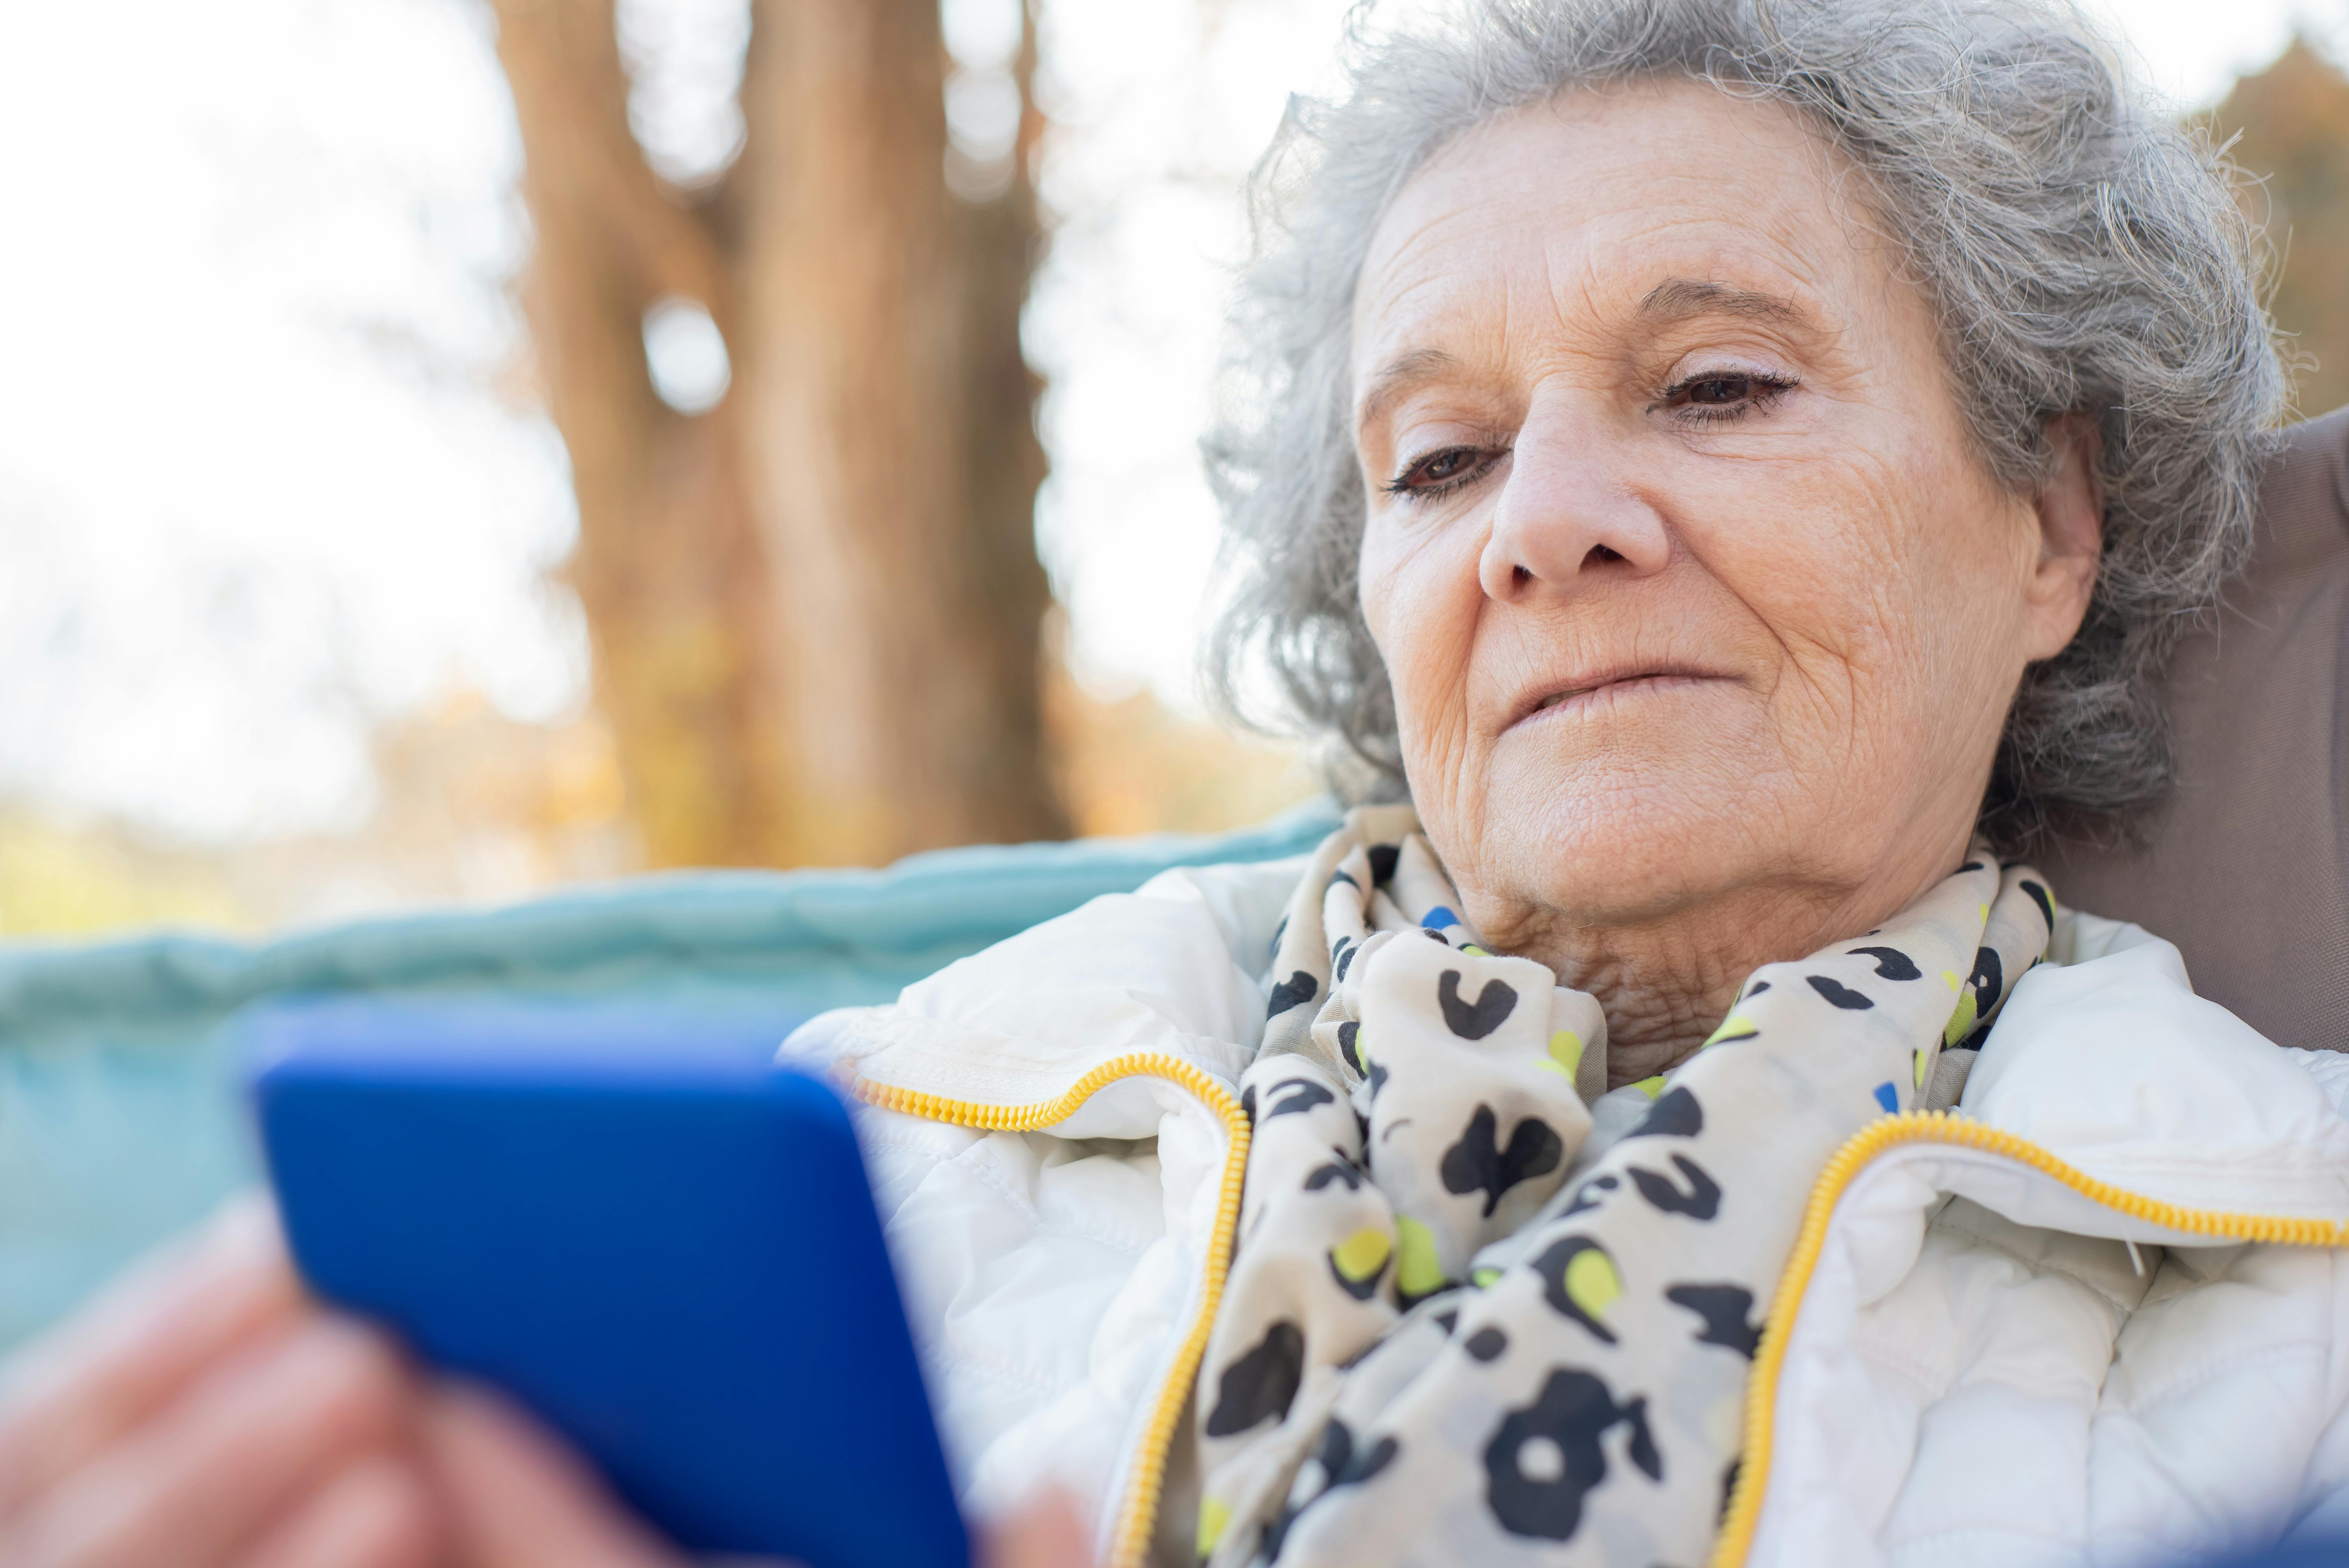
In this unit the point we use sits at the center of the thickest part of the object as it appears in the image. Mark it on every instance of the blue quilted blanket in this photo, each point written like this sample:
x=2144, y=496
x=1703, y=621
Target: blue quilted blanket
x=119, y=1120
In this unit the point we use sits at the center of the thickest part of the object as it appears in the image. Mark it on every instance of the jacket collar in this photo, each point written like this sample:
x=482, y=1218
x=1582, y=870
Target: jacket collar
x=2106, y=1059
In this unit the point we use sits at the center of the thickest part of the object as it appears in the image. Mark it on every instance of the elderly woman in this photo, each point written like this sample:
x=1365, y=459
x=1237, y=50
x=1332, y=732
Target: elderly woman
x=1734, y=468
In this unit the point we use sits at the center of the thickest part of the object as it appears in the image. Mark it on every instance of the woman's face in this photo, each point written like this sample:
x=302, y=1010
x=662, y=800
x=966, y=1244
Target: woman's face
x=1687, y=577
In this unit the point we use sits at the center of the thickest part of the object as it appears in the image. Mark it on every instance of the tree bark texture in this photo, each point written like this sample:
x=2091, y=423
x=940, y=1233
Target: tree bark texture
x=816, y=609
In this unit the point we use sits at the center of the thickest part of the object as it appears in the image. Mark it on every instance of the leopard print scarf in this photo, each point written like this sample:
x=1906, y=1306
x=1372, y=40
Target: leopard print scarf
x=1483, y=1312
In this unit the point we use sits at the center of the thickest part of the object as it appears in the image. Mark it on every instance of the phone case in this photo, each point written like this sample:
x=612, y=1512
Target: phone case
x=665, y=1248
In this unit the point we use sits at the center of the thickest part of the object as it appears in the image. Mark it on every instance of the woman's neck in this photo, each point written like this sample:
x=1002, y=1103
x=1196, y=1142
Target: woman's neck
x=1665, y=984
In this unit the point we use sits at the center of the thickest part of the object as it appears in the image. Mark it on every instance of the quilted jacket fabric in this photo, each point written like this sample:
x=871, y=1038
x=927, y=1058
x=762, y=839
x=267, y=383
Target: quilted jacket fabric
x=2038, y=1335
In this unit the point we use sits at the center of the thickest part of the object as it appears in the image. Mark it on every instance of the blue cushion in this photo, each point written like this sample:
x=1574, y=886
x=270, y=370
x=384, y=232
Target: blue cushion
x=117, y=1122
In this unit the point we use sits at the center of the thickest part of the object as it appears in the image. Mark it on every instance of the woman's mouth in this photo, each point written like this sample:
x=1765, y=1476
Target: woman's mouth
x=1584, y=696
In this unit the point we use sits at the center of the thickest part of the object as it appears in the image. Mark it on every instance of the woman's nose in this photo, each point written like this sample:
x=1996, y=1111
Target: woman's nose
x=1568, y=510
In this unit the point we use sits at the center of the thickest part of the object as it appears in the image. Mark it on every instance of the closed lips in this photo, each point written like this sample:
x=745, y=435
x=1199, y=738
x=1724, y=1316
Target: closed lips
x=1621, y=682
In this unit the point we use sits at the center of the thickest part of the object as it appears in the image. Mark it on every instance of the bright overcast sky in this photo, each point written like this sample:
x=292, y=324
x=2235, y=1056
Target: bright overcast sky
x=257, y=492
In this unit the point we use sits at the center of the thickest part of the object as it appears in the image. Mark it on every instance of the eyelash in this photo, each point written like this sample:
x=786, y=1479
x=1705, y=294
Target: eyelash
x=1766, y=390
x=1400, y=484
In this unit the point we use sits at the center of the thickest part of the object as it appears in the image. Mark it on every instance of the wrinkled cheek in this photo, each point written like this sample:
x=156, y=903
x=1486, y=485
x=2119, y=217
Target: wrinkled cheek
x=1836, y=591
x=1831, y=699
x=1860, y=701
x=1427, y=636
x=1431, y=710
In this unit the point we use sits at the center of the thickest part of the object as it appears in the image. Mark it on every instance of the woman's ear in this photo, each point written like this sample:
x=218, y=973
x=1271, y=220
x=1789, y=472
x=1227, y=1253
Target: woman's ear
x=2071, y=509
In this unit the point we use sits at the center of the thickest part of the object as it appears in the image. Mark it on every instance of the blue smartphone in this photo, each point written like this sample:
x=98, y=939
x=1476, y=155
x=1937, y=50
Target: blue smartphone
x=655, y=1240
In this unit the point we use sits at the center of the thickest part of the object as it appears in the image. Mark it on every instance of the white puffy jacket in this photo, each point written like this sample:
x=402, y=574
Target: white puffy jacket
x=2097, y=1315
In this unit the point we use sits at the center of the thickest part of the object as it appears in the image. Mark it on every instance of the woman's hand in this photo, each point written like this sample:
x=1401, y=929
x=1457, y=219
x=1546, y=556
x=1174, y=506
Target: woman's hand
x=515, y=1497
x=203, y=1413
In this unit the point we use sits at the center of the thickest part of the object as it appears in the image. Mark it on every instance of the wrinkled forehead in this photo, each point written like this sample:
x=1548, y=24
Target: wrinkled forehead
x=1562, y=218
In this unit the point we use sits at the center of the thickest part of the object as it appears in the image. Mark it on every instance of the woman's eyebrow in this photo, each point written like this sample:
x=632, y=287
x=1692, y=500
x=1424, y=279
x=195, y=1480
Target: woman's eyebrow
x=1674, y=299
x=1397, y=376
x=1677, y=299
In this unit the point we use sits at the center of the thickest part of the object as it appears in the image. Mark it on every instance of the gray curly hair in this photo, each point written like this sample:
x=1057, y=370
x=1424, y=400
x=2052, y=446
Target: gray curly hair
x=2083, y=253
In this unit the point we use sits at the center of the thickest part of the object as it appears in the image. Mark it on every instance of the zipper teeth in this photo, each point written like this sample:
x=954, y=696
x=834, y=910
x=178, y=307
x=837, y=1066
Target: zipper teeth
x=1131, y=1542
x=1737, y=1529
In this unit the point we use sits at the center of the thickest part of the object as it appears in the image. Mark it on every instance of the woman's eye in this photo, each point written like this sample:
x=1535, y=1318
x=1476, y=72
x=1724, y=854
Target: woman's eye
x=1722, y=395
x=1440, y=473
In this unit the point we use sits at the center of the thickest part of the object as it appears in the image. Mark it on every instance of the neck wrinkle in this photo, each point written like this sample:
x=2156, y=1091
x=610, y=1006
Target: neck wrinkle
x=1666, y=987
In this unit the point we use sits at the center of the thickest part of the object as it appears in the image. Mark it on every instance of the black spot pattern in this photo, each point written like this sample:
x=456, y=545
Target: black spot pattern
x=1346, y=1033
x=1589, y=1196
x=1260, y=1386
x=1700, y=1201
x=1989, y=980
x=2039, y=896
x=1727, y=1311
x=1343, y=876
x=1247, y=1105
x=1891, y=963
x=1340, y=1466
x=1382, y=863
x=1485, y=1344
x=1474, y=1021
x=1573, y=1410
x=1298, y=989
x=1347, y=951
x=1551, y=1266
x=1841, y=995
x=1341, y=1168
x=1478, y=1164
x=1378, y=1075
x=1343, y=1465
x=1675, y=1114
x=1295, y=1096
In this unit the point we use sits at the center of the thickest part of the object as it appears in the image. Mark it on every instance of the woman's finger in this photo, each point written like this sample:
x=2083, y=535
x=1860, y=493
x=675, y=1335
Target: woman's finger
x=147, y=1338
x=518, y=1499
x=1047, y=1531
x=215, y=1469
x=376, y=1513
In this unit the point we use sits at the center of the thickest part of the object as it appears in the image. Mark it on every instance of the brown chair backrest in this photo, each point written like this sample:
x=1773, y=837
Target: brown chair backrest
x=2246, y=866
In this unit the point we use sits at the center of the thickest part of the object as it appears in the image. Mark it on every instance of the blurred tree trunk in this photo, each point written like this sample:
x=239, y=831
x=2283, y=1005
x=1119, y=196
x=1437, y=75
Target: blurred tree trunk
x=816, y=609
x=2292, y=120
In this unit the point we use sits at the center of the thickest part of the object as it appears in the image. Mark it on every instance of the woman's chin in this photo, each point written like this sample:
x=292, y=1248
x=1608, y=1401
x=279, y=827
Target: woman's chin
x=1634, y=825
x=1681, y=753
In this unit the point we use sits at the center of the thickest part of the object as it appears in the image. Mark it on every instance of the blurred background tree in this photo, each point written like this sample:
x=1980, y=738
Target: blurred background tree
x=813, y=595
x=2291, y=126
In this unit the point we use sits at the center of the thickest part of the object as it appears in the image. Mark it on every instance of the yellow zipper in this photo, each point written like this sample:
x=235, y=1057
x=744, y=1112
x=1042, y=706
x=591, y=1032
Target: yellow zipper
x=1736, y=1537
x=1130, y=1543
